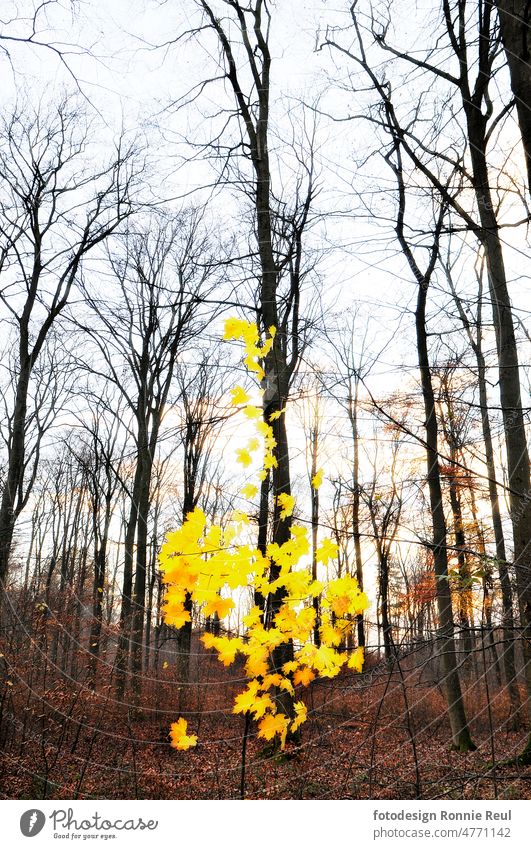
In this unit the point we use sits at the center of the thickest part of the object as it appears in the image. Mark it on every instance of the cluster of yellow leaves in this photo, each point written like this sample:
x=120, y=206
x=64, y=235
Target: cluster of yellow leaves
x=206, y=562
x=247, y=331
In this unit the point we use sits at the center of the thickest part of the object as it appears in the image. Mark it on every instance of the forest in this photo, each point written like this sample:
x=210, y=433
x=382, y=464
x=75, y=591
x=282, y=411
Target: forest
x=265, y=497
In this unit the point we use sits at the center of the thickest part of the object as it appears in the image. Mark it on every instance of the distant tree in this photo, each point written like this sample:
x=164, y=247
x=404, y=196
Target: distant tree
x=56, y=206
x=200, y=387
x=160, y=274
x=384, y=505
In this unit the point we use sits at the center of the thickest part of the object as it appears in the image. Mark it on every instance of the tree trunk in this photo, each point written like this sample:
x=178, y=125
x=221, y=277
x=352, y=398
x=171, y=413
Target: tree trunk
x=509, y=386
x=122, y=652
x=383, y=575
x=465, y=587
x=314, y=494
x=263, y=527
x=139, y=591
x=508, y=624
x=456, y=709
x=356, y=500
x=15, y=471
x=515, y=20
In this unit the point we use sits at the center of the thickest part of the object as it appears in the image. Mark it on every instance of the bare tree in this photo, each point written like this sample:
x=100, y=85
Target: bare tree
x=384, y=504
x=242, y=32
x=475, y=51
x=100, y=453
x=55, y=209
x=200, y=392
x=473, y=326
x=161, y=273
x=352, y=367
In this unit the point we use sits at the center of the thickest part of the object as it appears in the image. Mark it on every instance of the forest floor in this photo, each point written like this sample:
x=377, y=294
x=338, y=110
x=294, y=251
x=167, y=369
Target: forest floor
x=382, y=734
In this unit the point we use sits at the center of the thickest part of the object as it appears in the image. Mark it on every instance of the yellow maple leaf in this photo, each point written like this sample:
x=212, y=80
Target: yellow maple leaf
x=327, y=661
x=179, y=738
x=355, y=660
x=273, y=724
x=249, y=491
x=252, y=412
x=261, y=705
x=317, y=479
x=227, y=649
x=287, y=503
x=239, y=396
x=209, y=640
x=264, y=429
x=177, y=617
x=240, y=516
x=303, y=676
x=330, y=635
x=272, y=680
x=244, y=702
x=253, y=617
x=243, y=457
x=270, y=461
x=266, y=347
x=286, y=684
x=234, y=328
x=218, y=605
x=301, y=714
x=276, y=415
x=257, y=663
x=340, y=605
x=326, y=551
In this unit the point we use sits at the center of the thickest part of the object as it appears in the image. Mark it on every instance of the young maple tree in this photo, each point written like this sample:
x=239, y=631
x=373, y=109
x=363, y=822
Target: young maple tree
x=203, y=560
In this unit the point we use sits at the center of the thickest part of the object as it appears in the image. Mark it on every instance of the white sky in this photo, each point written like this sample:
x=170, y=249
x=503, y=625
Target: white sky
x=130, y=84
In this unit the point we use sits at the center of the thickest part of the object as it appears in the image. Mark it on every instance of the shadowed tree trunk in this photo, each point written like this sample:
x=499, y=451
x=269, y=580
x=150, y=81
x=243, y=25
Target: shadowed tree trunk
x=508, y=624
x=515, y=21
x=452, y=685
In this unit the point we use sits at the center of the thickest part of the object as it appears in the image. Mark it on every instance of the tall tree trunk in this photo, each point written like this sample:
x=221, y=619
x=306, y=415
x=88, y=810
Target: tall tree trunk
x=515, y=21
x=184, y=635
x=314, y=492
x=263, y=527
x=100, y=561
x=122, y=652
x=383, y=579
x=139, y=590
x=508, y=623
x=465, y=586
x=518, y=468
x=356, y=500
x=15, y=471
x=488, y=589
x=456, y=709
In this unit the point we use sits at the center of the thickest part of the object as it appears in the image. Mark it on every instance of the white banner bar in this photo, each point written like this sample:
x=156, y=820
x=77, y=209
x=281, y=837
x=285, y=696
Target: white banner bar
x=265, y=824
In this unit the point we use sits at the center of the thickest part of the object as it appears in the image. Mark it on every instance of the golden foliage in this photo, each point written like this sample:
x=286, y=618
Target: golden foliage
x=202, y=560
